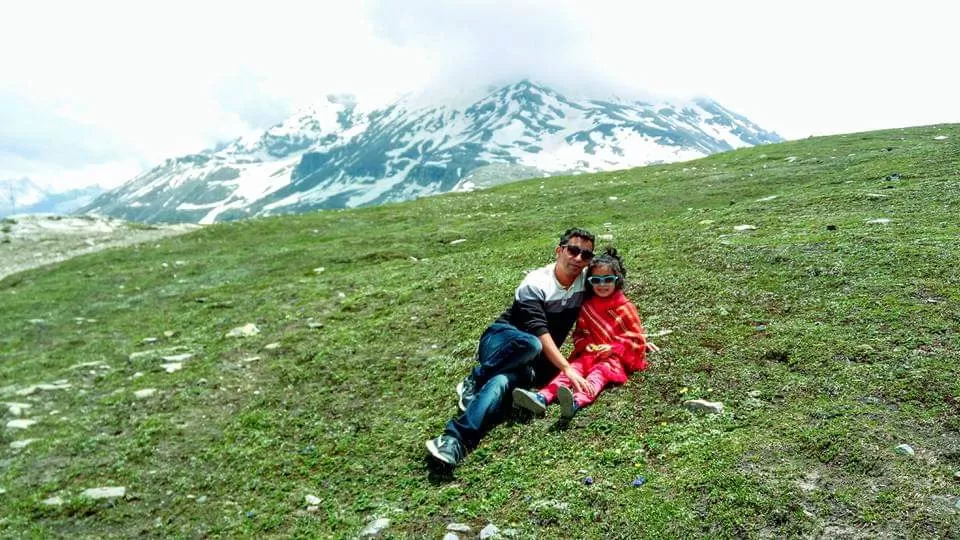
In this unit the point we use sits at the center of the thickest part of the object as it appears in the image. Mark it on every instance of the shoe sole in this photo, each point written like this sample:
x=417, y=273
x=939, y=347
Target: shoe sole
x=435, y=454
x=567, y=403
x=524, y=400
x=460, y=403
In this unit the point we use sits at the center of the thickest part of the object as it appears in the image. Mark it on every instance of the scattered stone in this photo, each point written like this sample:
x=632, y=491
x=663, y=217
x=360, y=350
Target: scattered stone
x=169, y=333
x=319, y=270
x=639, y=481
x=766, y=199
x=314, y=325
x=588, y=481
x=17, y=445
x=375, y=527
x=956, y=475
x=741, y=228
x=52, y=501
x=755, y=393
x=706, y=222
x=145, y=393
x=893, y=176
x=876, y=196
x=149, y=340
x=251, y=359
x=271, y=346
x=2, y=491
x=605, y=237
x=177, y=357
x=341, y=294
x=904, y=449
x=661, y=333
x=137, y=375
x=104, y=492
x=16, y=409
x=246, y=330
x=56, y=385
x=450, y=536
x=879, y=221
x=312, y=500
x=459, y=527
x=202, y=499
x=490, y=531
x=791, y=159
x=458, y=241
x=20, y=423
x=89, y=364
x=702, y=405
x=940, y=137
x=37, y=321
x=171, y=367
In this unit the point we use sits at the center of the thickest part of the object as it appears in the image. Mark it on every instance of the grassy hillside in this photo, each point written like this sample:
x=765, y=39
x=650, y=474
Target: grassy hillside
x=830, y=339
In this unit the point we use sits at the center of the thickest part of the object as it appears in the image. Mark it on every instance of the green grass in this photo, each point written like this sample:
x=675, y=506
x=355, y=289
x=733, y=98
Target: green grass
x=845, y=331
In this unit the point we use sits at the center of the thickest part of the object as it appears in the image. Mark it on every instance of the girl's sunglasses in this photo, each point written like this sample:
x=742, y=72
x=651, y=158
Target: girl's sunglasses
x=602, y=280
x=585, y=254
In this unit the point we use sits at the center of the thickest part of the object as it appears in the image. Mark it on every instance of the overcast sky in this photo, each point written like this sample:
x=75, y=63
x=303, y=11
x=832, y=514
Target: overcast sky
x=96, y=92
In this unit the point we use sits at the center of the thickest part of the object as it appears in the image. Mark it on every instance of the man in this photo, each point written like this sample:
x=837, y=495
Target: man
x=521, y=349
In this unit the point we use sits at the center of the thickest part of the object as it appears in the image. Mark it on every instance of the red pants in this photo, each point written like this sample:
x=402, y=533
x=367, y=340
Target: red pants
x=599, y=375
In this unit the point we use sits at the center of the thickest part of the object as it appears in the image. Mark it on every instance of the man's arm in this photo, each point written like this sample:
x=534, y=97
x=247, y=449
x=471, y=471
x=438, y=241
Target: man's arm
x=553, y=354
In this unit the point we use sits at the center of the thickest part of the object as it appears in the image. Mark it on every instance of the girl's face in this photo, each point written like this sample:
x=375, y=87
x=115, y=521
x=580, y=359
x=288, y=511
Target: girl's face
x=603, y=280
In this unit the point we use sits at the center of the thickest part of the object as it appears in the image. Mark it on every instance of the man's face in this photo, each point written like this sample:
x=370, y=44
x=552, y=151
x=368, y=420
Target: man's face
x=569, y=263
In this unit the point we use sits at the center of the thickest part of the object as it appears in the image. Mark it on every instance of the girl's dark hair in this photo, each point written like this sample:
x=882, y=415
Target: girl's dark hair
x=611, y=258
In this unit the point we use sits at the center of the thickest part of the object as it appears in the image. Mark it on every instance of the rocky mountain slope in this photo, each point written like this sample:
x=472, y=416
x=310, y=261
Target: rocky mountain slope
x=340, y=154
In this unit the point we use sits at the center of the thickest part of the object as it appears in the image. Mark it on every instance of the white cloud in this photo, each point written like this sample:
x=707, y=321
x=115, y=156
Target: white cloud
x=115, y=86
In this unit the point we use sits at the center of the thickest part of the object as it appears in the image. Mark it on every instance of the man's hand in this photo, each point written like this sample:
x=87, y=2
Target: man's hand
x=576, y=380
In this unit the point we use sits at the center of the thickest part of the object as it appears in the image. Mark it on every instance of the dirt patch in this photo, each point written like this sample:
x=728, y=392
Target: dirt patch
x=31, y=241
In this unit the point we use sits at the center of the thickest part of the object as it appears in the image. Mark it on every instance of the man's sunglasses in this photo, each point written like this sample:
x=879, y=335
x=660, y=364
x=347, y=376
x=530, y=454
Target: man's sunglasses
x=602, y=280
x=584, y=254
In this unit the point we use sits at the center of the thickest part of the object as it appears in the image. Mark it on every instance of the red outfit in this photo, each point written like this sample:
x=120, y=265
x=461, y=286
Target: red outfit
x=612, y=321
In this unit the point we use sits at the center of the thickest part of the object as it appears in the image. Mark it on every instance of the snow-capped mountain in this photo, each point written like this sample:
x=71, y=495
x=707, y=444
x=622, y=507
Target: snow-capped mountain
x=338, y=154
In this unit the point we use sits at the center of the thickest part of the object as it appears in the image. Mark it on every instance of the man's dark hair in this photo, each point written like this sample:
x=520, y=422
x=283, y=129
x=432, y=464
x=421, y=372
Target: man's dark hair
x=577, y=233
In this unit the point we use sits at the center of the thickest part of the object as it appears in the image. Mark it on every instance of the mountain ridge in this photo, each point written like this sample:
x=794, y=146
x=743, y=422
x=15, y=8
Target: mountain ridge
x=340, y=153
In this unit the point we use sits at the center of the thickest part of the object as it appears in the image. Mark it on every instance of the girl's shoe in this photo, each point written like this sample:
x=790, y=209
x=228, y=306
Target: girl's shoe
x=531, y=401
x=568, y=406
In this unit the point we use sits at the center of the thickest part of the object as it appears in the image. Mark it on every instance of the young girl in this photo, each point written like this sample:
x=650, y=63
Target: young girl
x=609, y=342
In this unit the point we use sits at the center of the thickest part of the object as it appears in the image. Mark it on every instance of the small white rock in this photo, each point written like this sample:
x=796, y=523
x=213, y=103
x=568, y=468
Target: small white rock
x=605, y=237
x=711, y=407
x=312, y=500
x=767, y=199
x=17, y=445
x=904, y=449
x=145, y=393
x=741, y=228
x=940, y=137
x=319, y=270
x=22, y=423
x=246, y=330
x=459, y=527
x=171, y=367
x=791, y=159
x=202, y=499
x=104, y=492
x=450, y=535
x=879, y=221
x=137, y=375
x=37, y=321
x=490, y=531
x=271, y=346
x=52, y=501
x=705, y=222
x=251, y=359
x=458, y=241
x=375, y=527
x=149, y=340
x=169, y=333
x=177, y=357
x=612, y=198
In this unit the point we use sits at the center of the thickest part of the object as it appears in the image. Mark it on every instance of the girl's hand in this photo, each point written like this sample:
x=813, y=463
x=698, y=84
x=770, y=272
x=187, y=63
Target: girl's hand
x=603, y=347
x=651, y=347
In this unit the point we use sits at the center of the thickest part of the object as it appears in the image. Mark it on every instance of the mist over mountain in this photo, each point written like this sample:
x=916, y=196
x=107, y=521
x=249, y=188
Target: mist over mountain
x=342, y=153
x=24, y=196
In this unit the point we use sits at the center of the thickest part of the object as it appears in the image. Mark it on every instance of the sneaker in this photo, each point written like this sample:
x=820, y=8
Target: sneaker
x=466, y=391
x=446, y=450
x=568, y=406
x=531, y=401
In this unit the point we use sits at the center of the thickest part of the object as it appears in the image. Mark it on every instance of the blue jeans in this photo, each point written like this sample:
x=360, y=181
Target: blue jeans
x=504, y=356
